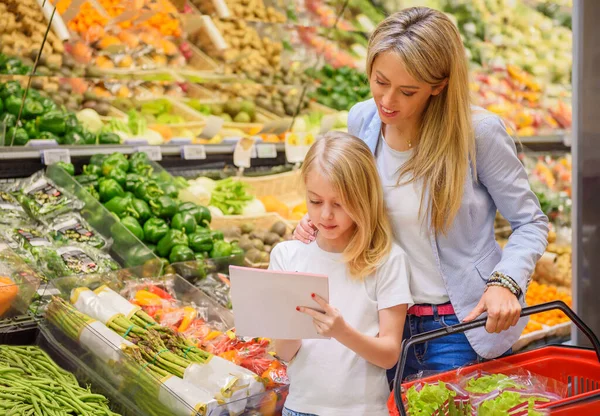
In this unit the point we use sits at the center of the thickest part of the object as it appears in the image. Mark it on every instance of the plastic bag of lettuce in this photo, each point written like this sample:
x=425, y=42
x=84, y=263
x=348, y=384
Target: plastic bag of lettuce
x=437, y=399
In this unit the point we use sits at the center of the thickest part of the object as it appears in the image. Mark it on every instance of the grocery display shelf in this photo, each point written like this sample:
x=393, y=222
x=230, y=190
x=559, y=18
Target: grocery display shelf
x=24, y=161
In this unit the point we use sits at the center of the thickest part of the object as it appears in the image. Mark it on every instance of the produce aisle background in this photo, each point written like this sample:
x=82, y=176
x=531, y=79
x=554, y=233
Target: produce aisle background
x=217, y=102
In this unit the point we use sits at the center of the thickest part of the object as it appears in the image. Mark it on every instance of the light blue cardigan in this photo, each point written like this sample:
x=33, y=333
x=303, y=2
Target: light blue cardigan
x=468, y=254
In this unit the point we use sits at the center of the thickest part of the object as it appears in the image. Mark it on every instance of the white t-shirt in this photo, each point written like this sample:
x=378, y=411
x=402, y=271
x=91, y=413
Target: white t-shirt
x=327, y=378
x=410, y=231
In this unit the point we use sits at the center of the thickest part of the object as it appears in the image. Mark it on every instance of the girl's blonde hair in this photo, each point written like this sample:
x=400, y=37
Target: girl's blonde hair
x=432, y=51
x=348, y=164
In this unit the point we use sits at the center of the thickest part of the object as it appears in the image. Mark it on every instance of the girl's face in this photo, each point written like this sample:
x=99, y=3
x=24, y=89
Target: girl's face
x=400, y=98
x=326, y=211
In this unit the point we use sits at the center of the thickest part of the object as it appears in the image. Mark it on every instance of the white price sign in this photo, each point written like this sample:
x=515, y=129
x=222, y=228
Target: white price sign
x=153, y=152
x=51, y=156
x=193, y=152
x=266, y=151
x=243, y=152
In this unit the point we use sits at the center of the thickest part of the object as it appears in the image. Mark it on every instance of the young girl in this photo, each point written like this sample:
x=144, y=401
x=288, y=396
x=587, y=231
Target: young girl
x=368, y=286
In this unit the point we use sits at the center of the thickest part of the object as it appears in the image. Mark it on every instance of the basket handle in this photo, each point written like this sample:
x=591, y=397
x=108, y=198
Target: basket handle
x=478, y=323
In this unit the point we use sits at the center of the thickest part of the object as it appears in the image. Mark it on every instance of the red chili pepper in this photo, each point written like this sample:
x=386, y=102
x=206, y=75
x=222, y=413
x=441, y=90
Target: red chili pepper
x=159, y=292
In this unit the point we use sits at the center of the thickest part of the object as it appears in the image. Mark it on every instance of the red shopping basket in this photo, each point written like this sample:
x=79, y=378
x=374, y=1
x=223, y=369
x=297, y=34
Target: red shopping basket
x=578, y=368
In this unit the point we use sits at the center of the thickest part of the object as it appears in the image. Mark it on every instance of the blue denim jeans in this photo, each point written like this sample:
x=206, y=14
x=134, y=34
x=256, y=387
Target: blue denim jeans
x=288, y=412
x=443, y=354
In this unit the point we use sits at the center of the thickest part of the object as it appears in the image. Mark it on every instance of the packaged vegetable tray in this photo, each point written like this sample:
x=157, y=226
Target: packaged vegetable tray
x=42, y=198
x=72, y=227
x=18, y=284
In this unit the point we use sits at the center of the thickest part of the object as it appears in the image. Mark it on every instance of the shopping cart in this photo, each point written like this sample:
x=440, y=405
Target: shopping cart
x=578, y=368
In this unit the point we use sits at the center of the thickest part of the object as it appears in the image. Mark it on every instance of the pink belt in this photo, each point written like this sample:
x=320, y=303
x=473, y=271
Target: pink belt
x=427, y=310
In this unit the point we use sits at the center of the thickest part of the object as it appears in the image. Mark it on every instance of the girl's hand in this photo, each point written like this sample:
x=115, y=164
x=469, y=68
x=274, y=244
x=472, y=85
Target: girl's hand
x=329, y=324
x=305, y=231
x=502, y=306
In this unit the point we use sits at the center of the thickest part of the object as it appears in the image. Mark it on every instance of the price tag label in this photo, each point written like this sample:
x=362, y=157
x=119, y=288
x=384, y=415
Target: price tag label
x=135, y=142
x=51, y=156
x=297, y=146
x=35, y=142
x=266, y=151
x=243, y=152
x=193, y=152
x=153, y=152
x=180, y=141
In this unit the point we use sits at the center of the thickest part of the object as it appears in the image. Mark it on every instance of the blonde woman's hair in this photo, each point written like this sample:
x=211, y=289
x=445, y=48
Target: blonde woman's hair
x=432, y=51
x=348, y=164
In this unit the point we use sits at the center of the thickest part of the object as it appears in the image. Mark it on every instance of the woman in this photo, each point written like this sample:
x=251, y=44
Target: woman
x=446, y=167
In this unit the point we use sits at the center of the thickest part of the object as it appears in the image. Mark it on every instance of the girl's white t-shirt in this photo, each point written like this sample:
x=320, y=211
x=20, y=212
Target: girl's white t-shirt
x=410, y=231
x=327, y=378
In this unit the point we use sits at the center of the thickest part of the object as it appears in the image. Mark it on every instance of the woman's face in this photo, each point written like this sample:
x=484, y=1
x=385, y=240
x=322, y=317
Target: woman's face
x=399, y=97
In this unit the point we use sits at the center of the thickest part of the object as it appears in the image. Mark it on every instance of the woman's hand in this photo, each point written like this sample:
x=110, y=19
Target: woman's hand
x=330, y=324
x=305, y=231
x=502, y=306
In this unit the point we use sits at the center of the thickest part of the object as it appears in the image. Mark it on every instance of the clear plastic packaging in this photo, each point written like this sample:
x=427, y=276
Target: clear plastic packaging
x=42, y=198
x=71, y=227
x=18, y=284
x=11, y=210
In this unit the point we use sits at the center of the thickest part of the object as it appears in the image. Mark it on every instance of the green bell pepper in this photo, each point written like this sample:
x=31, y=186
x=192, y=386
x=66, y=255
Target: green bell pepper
x=68, y=167
x=155, y=229
x=70, y=138
x=46, y=135
x=12, y=105
x=131, y=180
x=114, y=161
x=88, y=138
x=141, y=167
x=200, y=242
x=217, y=235
x=151, y=247
x=180, y=253
x=148, y=190
x=98, y=159
x=86, y=179
x=10, y=88
x=48, y=105
x=118, y=175
x=72, y=124
x=142, y=209
x=184, y=221
x=134, y=226
x=170, y=190
x=92, y=170
x=92, y=190
x=139, y=156
x=221, y=249
x=171, y=239
x=52, y=122
x=121, y=206
x=31, y=129
x=9, y=120
x=108, y=189
x=236, y=250
x=109, y=138
x=32, y=109
x=163, y=207
x=201, y=214
x=17, y=136
x=206, y=216
x=186, y=206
